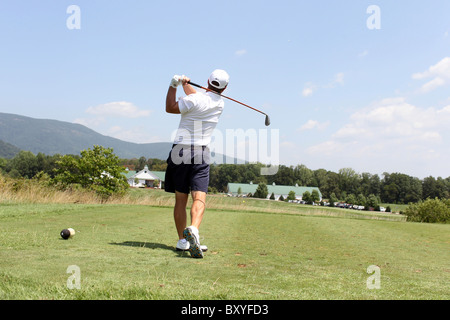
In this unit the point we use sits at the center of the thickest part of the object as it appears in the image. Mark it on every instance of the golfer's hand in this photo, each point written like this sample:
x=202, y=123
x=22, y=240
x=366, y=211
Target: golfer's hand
x=176, y=81
x=184, y=80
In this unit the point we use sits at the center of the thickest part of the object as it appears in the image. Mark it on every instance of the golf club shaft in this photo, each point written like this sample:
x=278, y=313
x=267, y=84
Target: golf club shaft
x=245, y=105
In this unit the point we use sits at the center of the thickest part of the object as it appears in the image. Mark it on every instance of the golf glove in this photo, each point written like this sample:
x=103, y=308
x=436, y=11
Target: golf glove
x=177, y=80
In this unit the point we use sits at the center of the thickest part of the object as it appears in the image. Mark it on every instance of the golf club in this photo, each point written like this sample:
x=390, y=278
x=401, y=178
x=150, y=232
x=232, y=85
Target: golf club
x=267, y=122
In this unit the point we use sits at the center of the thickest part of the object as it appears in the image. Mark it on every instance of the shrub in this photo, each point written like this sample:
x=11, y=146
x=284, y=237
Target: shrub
x=306, y=196
x=430, y=210
x=262, y=191
x=291, y=195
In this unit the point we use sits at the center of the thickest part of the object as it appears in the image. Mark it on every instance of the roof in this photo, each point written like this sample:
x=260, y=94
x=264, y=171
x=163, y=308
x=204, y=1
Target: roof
x=129, y=173
x=160, y=174
x=145, y=174
x=275, y=189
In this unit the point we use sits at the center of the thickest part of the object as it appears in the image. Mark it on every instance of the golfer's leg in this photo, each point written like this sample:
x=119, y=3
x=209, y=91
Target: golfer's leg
x=179, y=212
x=198, y=208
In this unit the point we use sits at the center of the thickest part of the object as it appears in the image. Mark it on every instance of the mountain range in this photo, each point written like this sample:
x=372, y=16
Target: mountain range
x=58, y=137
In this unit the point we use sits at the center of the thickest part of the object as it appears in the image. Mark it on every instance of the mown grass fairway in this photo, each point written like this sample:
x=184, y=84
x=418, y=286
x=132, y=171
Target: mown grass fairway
x=128, y=252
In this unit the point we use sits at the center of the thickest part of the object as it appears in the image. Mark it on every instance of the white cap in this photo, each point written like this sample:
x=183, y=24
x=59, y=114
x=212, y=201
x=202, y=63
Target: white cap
x=219, y=79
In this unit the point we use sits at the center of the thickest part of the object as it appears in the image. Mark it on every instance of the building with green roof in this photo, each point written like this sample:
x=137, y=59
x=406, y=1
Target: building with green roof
x=243, y=189
x=145, y=178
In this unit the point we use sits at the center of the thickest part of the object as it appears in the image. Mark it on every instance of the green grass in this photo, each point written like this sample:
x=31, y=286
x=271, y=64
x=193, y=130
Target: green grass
x=255, y=252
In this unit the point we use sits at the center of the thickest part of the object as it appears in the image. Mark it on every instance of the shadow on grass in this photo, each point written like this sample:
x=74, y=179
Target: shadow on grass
x=151, y=245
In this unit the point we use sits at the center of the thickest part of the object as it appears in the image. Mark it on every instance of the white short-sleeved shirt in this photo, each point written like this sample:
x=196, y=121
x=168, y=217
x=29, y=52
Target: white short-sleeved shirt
x=200, y=113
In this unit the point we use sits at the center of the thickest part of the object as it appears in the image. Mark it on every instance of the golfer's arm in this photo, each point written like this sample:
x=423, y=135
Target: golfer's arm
x=171, y=101
x=188, y=89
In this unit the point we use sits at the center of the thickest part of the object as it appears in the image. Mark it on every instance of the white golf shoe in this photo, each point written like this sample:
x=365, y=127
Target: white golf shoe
x=192, y=236
x=183, y=245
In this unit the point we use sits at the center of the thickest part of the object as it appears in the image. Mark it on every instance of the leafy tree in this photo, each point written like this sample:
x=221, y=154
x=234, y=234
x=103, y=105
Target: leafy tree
x=303, y=175
x=351, y=199
x=156, y=164
x=372, y=202
x=315, y=196
x=374, y=185
x=284, y=176
x=3, y=163
x=348, y=180
x=97, y=169
x=261, y=192
x=291, y=195
x=332, y=185
x=320, y=177
x=401, y=188
x=272, y=196
x=390, y=193
x=25, y=164
x=361, y=200
x=306, y=196
x=333, y=199
x=211, y=190
x=141, y=163
x=434, y=188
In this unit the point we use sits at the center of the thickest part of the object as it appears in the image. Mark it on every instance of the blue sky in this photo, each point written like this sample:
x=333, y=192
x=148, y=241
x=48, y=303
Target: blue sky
x=340, y=94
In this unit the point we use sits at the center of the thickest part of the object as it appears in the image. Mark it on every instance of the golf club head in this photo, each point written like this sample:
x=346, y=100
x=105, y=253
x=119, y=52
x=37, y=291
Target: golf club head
x=267, y=121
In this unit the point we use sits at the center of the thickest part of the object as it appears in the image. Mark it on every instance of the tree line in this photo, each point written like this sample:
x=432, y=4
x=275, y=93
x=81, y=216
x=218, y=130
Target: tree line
x=346, y=184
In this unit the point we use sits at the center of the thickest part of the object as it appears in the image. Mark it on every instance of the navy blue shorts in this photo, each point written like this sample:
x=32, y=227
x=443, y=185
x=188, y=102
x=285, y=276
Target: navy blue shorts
x=187, y=169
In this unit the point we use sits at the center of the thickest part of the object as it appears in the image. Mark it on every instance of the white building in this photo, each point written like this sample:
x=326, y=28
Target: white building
x=145, y=178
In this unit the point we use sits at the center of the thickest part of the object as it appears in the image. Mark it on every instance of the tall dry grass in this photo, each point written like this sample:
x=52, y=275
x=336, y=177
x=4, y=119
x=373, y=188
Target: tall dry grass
x=35, y=191
x=41, y=191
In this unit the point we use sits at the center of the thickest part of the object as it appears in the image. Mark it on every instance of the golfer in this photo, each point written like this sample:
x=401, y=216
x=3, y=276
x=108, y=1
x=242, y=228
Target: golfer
x=188, y=162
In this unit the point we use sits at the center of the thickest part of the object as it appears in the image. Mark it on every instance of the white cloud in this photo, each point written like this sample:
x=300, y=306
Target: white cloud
x=397, y=118
x=338, y=80
x=240, y=52
x=310, y=88
x=363, y=54
x=314, y=124
x=439, y=74
x=113, y=119
x=118, y=109
x=393, y=134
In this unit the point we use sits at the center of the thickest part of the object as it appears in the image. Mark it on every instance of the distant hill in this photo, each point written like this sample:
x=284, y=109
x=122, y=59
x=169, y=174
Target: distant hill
x=58, y=137
x=7, y=150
